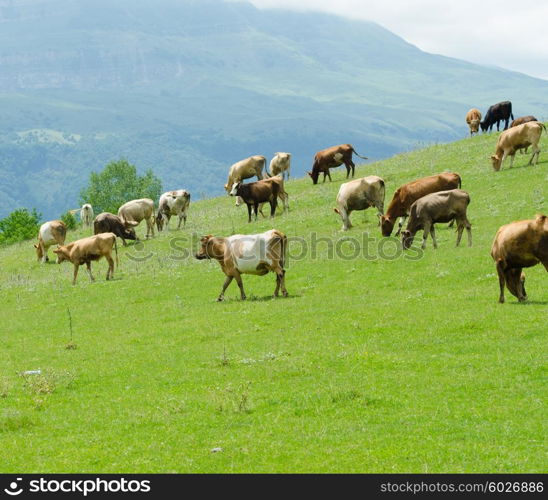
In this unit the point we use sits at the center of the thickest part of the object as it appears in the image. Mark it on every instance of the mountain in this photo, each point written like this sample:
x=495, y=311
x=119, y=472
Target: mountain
x=189, y=87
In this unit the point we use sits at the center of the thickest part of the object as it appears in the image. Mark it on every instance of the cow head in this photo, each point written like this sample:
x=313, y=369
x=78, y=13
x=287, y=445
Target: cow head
x=407, y=239
x=484, y=126
x=235, y=188
x=496, y=162
x=206, y=250
x=387, y=224
x=62, y=254
x=128, y=229
x=474, y=126
x=314, y=176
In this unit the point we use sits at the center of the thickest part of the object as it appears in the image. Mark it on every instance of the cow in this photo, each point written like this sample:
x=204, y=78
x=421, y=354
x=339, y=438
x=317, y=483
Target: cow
x=86, y=214
x=280, y=164
x=106, y=222
x=245, y=169
x=473, y=118
x=172, y=203
x=137, y=211
x=407, y=194
x=50, y=233
x=359, y=194
x=521, y=136
x=517, y=245
x=259, y=192
x=247, y=254
x=86, y=250
x=442, y=206
x=333, y=157
x=495, y=114
x=282, y=194
x=523, y=119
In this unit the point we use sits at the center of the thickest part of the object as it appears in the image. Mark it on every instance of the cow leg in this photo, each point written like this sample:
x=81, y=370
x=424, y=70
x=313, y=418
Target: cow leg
x=273, y=205
x=433, y=233
x=452, y=223
x=347, y=170
x=425, y=233
x=88, y=267
x=277, y=289
x=512, y=160
x=469, y=232
x=282, y=282
x=240, y=285
x=353, y=167
x=256, y=209
x=248, y=213
x=110, y=272
x=76, y=266
x=502, y=280
x=227, y=282
x=514, y=283
x=400, y=225
x=460, y=229
x=536, y=152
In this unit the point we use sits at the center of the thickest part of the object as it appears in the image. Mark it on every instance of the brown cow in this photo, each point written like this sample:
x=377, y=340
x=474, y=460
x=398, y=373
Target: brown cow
x=517, y=245
x=256, y=193
x=523, y=119
x=473, y=118
x=333, y=157
x=106, y=222
x=85, y=250
x=50, y=233
x=442, y=206
x=247, y=254
x=407, y=194
x=521, y=136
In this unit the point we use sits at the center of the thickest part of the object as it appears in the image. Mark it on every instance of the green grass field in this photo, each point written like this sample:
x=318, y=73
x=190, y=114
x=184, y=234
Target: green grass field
x=371, y=365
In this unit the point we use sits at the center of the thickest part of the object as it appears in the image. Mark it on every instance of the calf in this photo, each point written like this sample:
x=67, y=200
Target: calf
x=86, y=250
x=443, y=206
x=255, y=193
x=106, y=222
x=247, y=254
x=407, y=194
x=172, y=203
x=50, y=233
x=86, y=214
x=473, y=118
x=333, y=157
x=518, y=245
x=521, y=136
x=280, y=164
x=137, y=211
x=359, y=194
x=497, y=113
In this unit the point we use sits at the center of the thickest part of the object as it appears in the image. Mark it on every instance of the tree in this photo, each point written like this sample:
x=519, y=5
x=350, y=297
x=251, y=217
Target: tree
x=19, y=225
x=118, y=183
x=69, y=220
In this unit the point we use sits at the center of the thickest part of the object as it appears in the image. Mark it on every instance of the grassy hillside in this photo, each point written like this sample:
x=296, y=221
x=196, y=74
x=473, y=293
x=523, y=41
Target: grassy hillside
x=371, y=365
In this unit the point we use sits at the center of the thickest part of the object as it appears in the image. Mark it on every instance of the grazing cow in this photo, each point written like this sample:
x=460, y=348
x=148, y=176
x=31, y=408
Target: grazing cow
x=407, y=194
x=282, y=194
x=443, y=206
x=256, y=193
x=247, y=254
x=473, y=118
x=86, y=250
x=522, y=136
x=495, y=114
x=280, y=164
x=245, y=169
x=331, y=158
x=137, y=211
x=172, y=203
x=359, y=194
x=106, y=222
x=50, y=233
x=518, y=245
x=523, y=119
x=86, y=214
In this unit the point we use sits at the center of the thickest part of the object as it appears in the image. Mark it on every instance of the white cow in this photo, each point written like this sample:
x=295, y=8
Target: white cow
x=359, y=194
x=86, y=214
x=280, y=164
x=172, y=203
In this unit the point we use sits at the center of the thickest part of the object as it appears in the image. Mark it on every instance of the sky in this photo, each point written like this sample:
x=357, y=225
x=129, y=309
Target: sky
x=504, y=33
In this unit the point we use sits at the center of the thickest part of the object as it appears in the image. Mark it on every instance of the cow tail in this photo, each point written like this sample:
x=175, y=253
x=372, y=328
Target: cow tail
x=460, y=181
x=358, y=154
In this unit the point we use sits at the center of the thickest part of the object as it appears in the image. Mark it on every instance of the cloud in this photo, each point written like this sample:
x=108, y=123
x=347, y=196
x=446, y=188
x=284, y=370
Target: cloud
x=502, y=33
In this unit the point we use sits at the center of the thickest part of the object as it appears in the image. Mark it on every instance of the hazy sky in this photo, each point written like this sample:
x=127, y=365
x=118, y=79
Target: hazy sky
x=506, y=33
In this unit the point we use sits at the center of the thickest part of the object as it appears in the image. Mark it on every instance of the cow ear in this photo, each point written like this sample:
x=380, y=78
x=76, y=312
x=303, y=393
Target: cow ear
x=35, y=245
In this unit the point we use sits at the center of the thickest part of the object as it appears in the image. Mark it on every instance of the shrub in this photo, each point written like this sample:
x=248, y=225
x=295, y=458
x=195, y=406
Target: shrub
x=69, y=220
x=19, y=225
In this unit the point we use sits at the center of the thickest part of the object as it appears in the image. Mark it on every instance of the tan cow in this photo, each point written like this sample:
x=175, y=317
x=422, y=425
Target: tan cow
x=85, y=250
x=407, y=194
x=137, y=211
x=50, y=233
x=473, y=118
x=247, y=254
x=517, y=245
x=521, y=136
x=245, y=169
x=333, y=157
x=359, y=194
x=280, y=164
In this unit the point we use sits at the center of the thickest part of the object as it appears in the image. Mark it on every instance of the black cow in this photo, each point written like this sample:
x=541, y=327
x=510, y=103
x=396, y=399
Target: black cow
x=109, y=223
x=495, y=114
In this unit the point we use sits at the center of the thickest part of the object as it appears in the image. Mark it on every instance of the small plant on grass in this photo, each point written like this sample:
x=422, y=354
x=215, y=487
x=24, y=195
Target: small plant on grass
x=69, y=220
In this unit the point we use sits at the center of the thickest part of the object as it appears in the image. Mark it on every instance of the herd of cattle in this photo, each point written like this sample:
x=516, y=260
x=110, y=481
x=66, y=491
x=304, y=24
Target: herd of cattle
x=424, y=202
